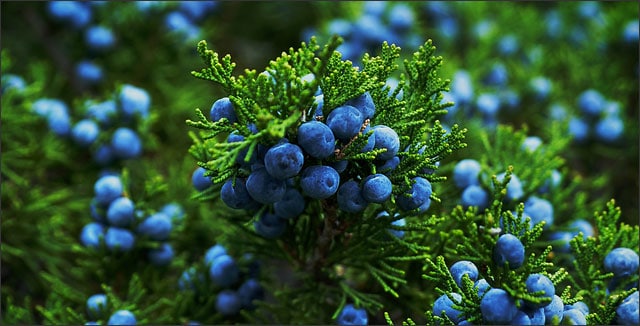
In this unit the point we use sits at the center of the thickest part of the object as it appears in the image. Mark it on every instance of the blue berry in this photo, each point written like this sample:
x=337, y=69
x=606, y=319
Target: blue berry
x=103, y=112
x=538, y=282
x=178, y=22
x=488, y=104
x=483, y=286
x=126, y=143
x=622, y=262
x=498, y=307
x=627, y=312
x=104, y=155
x=461, y=268
x=508, y=45
x=120, y=212
x=475, y=195
x=364, y=104
x=376, y=188
x=118, y=239
x=134, y=101
x=223, y=108
x=578, y=129
x=270, y=225
x=389, y=165
x=445, y=304
x=319, y=181
x=541, y=87
x=235, y=195
x=521, y=318
x=345, y=122
x=157, y=226
x=96, y=305
x=162, y=255
x=350, y=315
x=531, y=143
x=578, y=305
x=317, y=139
x=462, y=87
x=401, y=17
x=224, y=271
x=386, y=138
x=59, y=121
x=91, y=234
x=580, y=225
x=213, y=253
x=75, y=13
x=573, y=317
x=173, y=210
x=188, y=277
x=234, y=137
x=554, y=310
x=465, y=173
x=291, y=205
x=631, y=32
x=284, y=161
x=122, y=317
x=591, y=102
x=99, y=38
x=536, y=315
x=107, y=189
x=228, y=303
x=514, y=187
x=400, y=223
x=508, y=249
x=539, y=210
x=371, y=139
x=264, y=188
x=418, y=194
x=11, y=81
x=561, y=241
x=199, y=181
x=250, y=290
x=497, y=76
x=350, y=197
x=85, y=132
x=552, y=182
x=609, y=129
x=89, y=72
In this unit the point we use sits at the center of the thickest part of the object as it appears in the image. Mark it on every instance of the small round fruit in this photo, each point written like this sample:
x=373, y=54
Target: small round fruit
x=224, y=271
x=627, y=312
x=157, y=227
x=264, y=188
x=120, y=212
x=474, y=195
x=538, y=282
x=350, y=197
x=96, y=305
x=319, y=181
x=134, y=101
x=386, y=138
x=376, y=188
x=445, y=304
x=228, y=302
x=622, y=262
x=91, y=235
x=350, y=315
x=223, y=108
x=199, y=181
x=249, y=291
x=465, y=173
x=345, y=122
x=364, y=103
x=554, y=310
x=509, y=249
x=85, y=132
x=107, y=189
x=270, y=225
x=118, y=239
x=162, y=255
x=122, y=317
x=498, y=307
x=126, y=143
x=234, y=194
x=291, y=205
x=461, y=268
x=573, y=317
x=317, y=139
x=284, y=161
x=417, y=195
x=514, y=187
x=214, y=252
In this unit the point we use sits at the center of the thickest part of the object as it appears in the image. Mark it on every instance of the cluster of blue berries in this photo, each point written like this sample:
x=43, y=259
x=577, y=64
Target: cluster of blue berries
x=185, y=18
x=600, y=119
x=97, y=308
x=99, y=39
x=283, y=177
x=108, y=129
x=236, y=282
x=380, y=21
x=117, y=222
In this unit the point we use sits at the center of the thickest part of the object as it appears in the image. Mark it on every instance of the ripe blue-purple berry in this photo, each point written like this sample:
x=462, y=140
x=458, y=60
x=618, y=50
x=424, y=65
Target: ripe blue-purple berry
x=627, y=312
x=283, y=161
x=461, y=268
x=376, y=188
x=228, y=302
x=350, y=315
x=538, y=282
x=122, y=317
x=573, y=317
x=291, y=205
x=85, y=132
x=465, y=173
x=554, y=310
x=345, y=122
x=418, y=194
x=474, y=195
x=120, y=212
x=508, y=249
x=157, y=226
x=498, y=307
x=96, y=305
x=162, y=255
x=514, y=187
x=91, y=235
x=224, y=271
x=386, y=138
x=270, y=225
x=235, y=195
x=134, y=101
x=539, y=210
x=350, y=197
x=319, y=181
x=99, y=38
x=364, y=104
x=250, y=290
x=223, y=108
x=107, y=189
x=317, y=139
x=118, y=239
x=126, y=143
x=445, y=304
x=622, y=262
x=199, y=181
x=264, y=188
